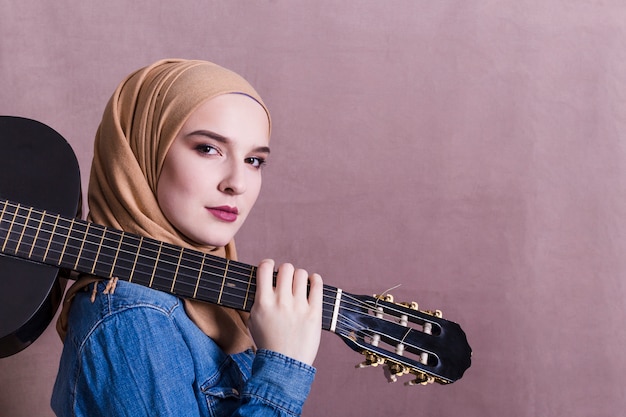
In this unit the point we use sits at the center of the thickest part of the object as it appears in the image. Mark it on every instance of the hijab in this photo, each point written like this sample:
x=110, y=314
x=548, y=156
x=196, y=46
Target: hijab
x=139, y=124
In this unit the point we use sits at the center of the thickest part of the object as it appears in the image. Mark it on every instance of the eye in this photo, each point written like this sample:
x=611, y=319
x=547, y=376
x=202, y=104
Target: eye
x=206, y=149
x=256, y=161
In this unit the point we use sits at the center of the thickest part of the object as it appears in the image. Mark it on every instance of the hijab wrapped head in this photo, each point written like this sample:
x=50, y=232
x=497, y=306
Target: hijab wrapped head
x=140, y=122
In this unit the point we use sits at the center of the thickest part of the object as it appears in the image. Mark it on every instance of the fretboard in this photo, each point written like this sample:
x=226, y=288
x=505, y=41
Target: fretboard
x=88, y=248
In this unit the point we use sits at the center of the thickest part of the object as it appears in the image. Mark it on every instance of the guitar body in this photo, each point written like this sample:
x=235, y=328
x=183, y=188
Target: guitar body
x=38, y=169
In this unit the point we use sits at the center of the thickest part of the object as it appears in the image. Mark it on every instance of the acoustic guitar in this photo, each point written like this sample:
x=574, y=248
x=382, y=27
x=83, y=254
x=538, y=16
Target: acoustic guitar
x=42, y=239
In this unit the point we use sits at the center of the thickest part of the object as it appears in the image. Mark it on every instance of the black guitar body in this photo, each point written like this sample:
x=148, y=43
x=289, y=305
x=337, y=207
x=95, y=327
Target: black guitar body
x=38, y=169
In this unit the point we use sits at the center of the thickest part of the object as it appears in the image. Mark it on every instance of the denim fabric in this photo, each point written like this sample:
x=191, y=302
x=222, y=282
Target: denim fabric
x=136, y=353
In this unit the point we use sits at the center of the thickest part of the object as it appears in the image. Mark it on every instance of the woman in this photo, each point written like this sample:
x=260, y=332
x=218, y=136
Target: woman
x=178, y=157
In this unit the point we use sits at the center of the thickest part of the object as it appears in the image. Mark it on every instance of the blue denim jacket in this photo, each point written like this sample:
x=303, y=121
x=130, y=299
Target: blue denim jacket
x=136, y=353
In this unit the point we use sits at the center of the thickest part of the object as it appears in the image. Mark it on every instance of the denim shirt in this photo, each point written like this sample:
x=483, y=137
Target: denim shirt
x=136, y=353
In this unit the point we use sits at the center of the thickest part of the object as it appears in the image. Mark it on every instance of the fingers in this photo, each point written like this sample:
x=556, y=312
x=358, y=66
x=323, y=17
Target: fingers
x=264, y=278
x=286, y=316
x=300, y=282
x=290, y=282
x=316, y=291
x=285, y=279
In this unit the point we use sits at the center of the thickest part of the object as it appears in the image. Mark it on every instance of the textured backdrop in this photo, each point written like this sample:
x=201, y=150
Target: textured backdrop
x=472, y=152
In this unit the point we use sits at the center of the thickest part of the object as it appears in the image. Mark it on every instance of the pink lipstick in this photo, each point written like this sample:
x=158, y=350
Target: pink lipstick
x=224, y=213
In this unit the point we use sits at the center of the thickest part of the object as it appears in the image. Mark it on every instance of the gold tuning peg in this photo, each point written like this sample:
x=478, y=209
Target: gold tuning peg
x=384, y=297
x=420, y=379
x=394, y=370
x=412, y=305
x=371, y=359
x=436, y=313
x=397, y=369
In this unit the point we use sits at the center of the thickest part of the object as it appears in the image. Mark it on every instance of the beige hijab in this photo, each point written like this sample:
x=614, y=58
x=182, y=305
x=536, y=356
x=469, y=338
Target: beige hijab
x=139, y=124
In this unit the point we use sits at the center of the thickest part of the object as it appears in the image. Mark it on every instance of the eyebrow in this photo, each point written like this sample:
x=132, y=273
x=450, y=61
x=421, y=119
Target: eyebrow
x=224, y=139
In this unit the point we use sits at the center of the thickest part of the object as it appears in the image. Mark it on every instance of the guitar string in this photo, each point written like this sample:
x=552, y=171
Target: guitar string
x=193, y=256
x=354, y=302
x=356, y=305
x=348, y=331
x=349, y=328
x=349, y=304
x=342, y=327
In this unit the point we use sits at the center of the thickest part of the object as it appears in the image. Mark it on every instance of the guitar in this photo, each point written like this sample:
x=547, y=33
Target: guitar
x=42, y=240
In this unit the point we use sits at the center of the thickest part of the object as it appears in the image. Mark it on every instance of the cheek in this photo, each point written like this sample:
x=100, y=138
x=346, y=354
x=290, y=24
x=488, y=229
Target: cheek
x=170, y=184
x=254, y=189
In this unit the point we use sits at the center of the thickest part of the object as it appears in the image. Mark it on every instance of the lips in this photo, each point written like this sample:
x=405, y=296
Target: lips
x=224, y=213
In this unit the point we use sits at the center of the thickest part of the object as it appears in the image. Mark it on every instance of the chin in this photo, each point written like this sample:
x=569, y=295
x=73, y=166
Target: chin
x=213, y=240
x=217, y=236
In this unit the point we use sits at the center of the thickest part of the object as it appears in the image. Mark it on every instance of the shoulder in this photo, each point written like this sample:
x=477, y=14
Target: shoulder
x=129, y=308
x=128, y=344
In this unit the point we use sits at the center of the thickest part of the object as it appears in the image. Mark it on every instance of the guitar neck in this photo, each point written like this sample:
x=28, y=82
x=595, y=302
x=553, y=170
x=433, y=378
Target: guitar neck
x=89, y=248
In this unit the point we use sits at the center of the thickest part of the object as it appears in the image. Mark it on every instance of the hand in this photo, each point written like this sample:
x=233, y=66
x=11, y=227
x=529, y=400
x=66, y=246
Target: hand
x=283, y=318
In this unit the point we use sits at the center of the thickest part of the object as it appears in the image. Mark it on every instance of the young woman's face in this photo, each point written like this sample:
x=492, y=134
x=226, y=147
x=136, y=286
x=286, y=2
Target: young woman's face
x=211, y=176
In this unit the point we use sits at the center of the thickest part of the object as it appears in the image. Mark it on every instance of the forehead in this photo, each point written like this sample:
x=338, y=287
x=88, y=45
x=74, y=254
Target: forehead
x=237, y=117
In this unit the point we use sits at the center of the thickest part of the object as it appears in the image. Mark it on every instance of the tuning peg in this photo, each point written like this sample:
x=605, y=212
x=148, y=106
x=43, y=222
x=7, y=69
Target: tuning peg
x=384, y=297
x=371, y=359
x=394, y=370
x=436, y=313
x=412, y=305
x=420, y=379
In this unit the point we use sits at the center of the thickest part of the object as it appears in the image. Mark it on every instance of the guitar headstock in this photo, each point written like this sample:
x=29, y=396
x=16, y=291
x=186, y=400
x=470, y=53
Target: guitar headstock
x=403, y=339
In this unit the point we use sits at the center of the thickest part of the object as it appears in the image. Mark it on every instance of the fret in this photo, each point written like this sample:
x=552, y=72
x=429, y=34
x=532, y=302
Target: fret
x=24, y=226
x=180, y=256
x=74, y=244
x=166, y=267
x=219, y=298
x=195, y=290
x=156, y=262
x=30, y=229
x=250, y=278
x=43, y=216
x=209, y=287
x=145, y=266
x=54, y=228
x=117, y=253
x=132, y=271
x=8, y=238
x=94, y=257
x=41, y=241
x=1, y=217
x=26, y=241
x=98, y=251
x=184, y=269
x=67, y=238
x=127, y=255
x=82, y=245
x=236, y=285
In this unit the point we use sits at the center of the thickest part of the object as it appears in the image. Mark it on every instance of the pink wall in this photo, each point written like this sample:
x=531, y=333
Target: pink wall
x=471, y=151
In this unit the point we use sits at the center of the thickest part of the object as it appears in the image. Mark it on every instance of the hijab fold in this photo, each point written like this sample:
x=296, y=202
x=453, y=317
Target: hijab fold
x=139, y=124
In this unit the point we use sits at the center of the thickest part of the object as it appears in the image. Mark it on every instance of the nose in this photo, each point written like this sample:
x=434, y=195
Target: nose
x=234, y=179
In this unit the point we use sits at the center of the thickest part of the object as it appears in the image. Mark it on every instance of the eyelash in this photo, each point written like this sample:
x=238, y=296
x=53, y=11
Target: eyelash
x=206, y=150
x=260, y=161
